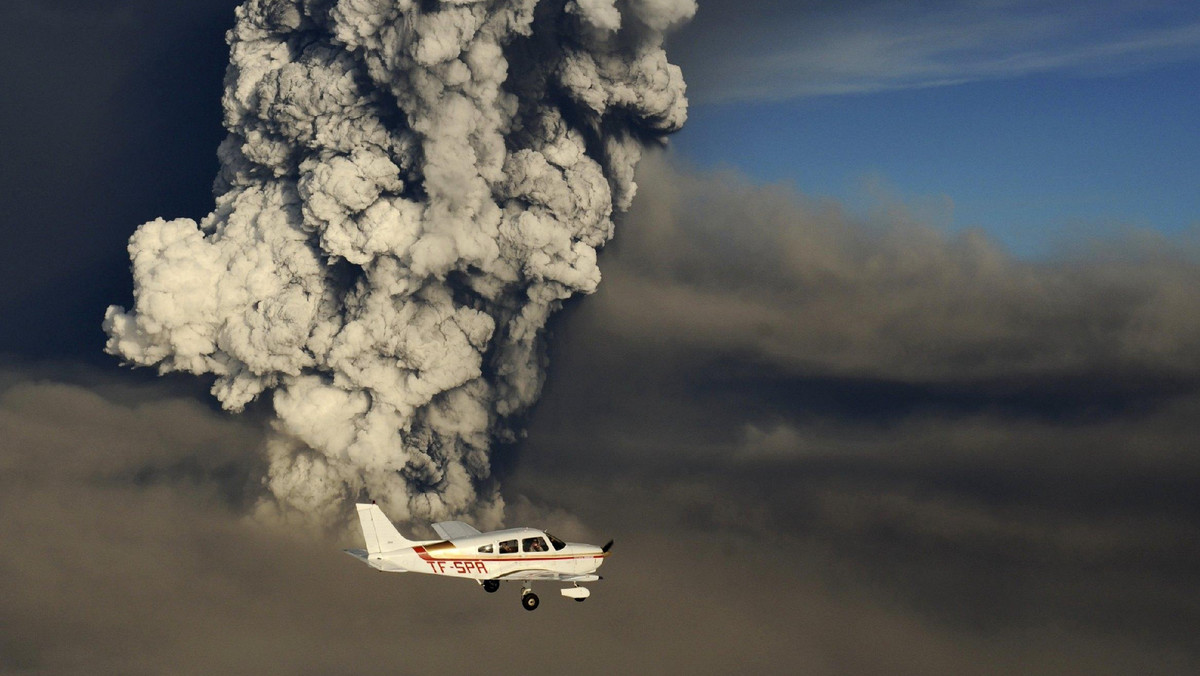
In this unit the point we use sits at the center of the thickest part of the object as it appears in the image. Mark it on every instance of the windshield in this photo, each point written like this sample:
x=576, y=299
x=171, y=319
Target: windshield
x=558, y=544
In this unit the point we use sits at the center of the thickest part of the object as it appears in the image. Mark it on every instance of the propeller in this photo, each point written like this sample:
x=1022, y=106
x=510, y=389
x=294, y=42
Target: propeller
x=607, y=547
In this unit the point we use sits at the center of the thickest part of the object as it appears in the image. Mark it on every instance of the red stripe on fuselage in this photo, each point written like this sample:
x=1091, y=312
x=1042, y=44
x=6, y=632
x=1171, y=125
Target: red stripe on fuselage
x=420, y=550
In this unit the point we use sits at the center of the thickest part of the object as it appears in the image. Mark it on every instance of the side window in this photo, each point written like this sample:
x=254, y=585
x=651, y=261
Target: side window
x=534, y=545
x=508, y=547
x=486, y=549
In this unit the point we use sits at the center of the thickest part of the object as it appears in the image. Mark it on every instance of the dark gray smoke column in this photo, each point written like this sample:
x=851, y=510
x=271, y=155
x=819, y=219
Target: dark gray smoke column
x=407, y=192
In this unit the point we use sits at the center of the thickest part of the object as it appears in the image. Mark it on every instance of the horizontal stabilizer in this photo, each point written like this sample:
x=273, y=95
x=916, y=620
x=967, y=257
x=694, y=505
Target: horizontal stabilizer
x=453, y=530
x=377, y=562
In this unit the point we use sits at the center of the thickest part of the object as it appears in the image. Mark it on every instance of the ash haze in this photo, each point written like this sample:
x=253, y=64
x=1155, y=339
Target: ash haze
x=827, y=440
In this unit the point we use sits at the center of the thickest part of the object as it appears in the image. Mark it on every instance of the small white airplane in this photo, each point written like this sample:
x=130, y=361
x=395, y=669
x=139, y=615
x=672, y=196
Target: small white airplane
x=516, y=554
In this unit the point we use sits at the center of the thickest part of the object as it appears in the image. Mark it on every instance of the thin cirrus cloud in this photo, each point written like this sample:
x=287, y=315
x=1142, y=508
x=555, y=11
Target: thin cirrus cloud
x=801, y=50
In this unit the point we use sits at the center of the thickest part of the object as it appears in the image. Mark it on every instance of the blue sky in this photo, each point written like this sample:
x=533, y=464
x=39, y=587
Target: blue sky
x=1039, y=124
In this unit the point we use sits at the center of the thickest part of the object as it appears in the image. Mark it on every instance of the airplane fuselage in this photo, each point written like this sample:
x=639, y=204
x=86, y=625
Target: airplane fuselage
x=522, y=555
x=490, y=556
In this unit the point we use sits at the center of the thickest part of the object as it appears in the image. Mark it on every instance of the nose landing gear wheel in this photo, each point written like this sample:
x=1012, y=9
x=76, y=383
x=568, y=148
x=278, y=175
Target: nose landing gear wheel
x=530, y=601
x=491, y=586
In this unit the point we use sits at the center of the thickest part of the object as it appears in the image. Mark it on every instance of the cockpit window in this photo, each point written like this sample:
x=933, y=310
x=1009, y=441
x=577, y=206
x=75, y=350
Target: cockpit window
x=558, y=544
x=508, y=547
x=486, y=549
x=534, y=545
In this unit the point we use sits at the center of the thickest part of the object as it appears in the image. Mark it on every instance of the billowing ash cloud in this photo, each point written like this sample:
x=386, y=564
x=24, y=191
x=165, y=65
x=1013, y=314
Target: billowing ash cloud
x=407, y=192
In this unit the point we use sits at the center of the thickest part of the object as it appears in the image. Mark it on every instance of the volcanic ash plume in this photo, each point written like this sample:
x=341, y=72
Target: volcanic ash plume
x=407, y=192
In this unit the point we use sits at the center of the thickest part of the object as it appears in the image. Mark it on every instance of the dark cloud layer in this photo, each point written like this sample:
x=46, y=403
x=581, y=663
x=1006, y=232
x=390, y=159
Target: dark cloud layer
x=989, y=443
x=758, y=525
x=107, y=570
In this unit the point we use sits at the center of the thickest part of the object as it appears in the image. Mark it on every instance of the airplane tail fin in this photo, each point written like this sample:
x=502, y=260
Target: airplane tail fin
x=380, y=534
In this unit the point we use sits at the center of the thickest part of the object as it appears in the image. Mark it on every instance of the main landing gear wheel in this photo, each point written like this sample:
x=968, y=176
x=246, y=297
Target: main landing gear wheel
x=491, y=586
x=530, y=601
x=580, y=600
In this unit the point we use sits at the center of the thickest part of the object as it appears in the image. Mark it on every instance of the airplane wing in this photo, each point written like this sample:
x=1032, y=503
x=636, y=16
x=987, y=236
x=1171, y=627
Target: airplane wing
x=543, y=574
x=452, y=530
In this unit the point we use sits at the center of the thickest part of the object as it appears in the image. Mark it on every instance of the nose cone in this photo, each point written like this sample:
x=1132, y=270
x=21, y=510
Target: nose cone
x=588, y=556
x=598, y=553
